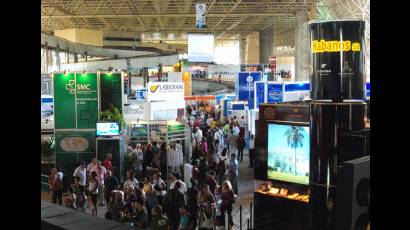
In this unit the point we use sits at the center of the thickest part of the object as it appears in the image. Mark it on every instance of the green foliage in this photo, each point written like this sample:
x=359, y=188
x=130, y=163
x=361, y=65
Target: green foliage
x=113, y=114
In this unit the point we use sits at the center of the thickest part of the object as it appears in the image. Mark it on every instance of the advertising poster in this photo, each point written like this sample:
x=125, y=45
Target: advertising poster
x=259, y=93
x=337, y=49
x=111, y=90
x=72, y=147
x=245, y=85
x=187, y=79
x=200, y=15
x=64, y=101
x=87, y=100
x=274, y=93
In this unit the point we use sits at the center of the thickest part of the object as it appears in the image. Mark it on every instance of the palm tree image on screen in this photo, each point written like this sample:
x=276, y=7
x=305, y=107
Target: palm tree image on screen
x=295, y=138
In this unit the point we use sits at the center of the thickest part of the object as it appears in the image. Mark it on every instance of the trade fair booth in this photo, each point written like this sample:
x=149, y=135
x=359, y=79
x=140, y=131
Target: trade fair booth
x=312, y=167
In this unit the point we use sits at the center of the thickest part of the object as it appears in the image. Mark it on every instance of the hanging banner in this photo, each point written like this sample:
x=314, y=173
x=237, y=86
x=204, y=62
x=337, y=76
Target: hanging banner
x=259, y=93
x=245, y=84
x=274, y=92
x=200, y=15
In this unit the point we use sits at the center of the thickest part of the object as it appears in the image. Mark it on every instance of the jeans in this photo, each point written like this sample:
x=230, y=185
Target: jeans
x=228, y=209
x=58, y=195
x=251, y=156
x=101, y=194
x=234, y=181
x=240, y=155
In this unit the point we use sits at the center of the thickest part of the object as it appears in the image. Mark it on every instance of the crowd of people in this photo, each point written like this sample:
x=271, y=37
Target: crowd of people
x=153, y=194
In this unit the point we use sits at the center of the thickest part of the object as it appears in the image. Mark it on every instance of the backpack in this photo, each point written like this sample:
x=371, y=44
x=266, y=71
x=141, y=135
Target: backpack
x=66, y=183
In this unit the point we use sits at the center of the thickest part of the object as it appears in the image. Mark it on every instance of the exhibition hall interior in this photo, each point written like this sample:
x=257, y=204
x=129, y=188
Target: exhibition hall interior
x=205, y=114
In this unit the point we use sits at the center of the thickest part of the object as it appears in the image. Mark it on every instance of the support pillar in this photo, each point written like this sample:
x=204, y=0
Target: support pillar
x=302, y=46
x=265, y=44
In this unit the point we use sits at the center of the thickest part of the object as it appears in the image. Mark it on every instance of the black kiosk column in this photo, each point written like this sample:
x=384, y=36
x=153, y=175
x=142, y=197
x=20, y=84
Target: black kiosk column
x=337, y=90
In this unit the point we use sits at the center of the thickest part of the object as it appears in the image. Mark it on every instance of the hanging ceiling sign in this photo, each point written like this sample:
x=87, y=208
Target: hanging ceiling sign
x=200, y=15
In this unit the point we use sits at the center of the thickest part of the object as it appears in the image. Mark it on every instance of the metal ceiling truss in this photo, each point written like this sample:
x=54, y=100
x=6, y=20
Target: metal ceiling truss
x=225, y=18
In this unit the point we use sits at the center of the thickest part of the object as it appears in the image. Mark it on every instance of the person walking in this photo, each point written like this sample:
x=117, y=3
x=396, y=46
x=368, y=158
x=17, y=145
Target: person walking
x=93, y=191
x=148, y=157
x=163, y=158
x=159, y=186
x=131, y=180
x=91, y=165
x=57, y=186
x=228, y=199
x=192, y=200
x=173, y=201
x=110, y=184
x=234, y=173
x=101, y=171
x=251, y=150
x=222, y=165
x=240, y=143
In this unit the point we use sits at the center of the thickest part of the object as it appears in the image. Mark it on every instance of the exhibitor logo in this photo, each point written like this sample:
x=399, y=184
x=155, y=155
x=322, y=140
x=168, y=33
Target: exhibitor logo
x=70, y=86
x=153, y=88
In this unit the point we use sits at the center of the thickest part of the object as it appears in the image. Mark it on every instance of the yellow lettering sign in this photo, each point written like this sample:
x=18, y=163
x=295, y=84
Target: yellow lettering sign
x=334, y=46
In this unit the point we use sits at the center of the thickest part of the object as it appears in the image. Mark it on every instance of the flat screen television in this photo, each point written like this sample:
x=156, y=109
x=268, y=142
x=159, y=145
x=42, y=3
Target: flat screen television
x=288, y=152
x=108, y=129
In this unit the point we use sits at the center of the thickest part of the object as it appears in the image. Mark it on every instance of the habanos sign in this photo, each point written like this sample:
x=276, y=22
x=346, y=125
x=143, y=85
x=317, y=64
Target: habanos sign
x=165, y=91
x=334, y=46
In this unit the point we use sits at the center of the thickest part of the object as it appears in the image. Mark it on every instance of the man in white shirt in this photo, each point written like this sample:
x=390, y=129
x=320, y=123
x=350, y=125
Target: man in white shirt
x=130, y=180
x=198, y=135
x=80, y=172
x=236, y=130
x=209, y=121
x=101, y=171
x=176, y=177
x=219, y=135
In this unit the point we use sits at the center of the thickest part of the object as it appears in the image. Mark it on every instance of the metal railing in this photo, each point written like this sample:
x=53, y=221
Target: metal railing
x=44, y=183
x=243, y=213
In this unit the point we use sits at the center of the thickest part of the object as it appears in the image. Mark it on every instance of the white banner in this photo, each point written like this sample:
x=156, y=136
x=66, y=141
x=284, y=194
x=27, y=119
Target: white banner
x=200, y=15
x=166, y=91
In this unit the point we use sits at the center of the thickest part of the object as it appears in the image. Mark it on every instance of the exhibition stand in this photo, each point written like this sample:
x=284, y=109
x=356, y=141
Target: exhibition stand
x=81, y=100
x=312, y=158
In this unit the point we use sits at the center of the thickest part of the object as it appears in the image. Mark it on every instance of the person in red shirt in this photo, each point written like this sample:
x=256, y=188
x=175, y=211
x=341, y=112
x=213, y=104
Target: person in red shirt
x=212, y=182
x=107, y=163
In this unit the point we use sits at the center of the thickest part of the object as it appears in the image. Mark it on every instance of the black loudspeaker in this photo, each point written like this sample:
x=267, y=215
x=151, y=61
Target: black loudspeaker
x=352, y=209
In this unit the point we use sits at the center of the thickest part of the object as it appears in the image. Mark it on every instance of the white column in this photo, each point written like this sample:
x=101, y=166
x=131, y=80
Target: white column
x=302, y=46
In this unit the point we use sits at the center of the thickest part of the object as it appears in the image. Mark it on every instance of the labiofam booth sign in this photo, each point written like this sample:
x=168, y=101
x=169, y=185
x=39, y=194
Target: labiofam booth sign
x=165, y=91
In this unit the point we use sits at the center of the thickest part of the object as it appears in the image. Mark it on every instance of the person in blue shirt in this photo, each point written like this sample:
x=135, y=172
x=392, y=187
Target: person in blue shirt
x=234, y=172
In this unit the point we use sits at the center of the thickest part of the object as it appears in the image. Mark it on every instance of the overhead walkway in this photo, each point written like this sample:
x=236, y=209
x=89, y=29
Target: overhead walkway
x=53, y=42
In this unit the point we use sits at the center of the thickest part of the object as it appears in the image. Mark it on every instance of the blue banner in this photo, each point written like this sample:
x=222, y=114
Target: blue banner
x=275, y=93
x=225, y=104
x=297, y=87
x=260, y=93
x=246, y=83
x=238, y=107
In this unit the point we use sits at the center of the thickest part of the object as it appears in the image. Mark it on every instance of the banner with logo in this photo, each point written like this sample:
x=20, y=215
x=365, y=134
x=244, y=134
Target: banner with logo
x=245, y=84
x=87, y=100
x=166, y=91
x=200, y=15
x=259, y=93
x=274, y=92
x=75, y=100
